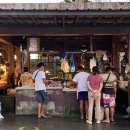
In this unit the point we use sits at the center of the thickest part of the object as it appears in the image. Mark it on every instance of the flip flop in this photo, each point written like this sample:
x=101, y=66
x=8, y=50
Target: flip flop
x=89, y=122
x=44, y=116
x=39, y=116
x=81, y=117
x=105, y=121
x=112, y=121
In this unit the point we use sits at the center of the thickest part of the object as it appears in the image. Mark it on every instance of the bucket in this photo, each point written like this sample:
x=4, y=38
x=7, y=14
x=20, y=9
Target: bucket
x=102, y=113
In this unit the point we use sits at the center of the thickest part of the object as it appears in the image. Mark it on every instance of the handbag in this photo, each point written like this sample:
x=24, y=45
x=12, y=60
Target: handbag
x=103, y=89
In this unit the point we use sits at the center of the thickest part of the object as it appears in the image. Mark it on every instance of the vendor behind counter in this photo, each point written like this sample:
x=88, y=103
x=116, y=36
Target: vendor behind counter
x=26, y=78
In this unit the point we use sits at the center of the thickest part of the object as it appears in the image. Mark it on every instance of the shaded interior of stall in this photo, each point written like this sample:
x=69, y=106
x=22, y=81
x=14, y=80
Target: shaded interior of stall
x=50, y=50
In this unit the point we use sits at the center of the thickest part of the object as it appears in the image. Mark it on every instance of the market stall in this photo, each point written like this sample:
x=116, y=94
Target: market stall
x=7, y=92
x=63, y=36
x=60, y=68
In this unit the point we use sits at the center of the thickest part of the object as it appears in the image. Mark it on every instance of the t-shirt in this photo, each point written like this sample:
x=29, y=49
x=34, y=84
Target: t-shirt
x=111, y=81
x=26, y=79
x=39, y=84
x=81, y=79
x=94, y=81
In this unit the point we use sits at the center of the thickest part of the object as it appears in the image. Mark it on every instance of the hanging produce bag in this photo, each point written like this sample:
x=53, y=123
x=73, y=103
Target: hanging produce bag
x=72, y=65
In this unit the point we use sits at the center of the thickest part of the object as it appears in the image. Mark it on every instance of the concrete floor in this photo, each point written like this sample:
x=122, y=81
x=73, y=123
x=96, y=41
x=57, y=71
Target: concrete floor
x=58, y=123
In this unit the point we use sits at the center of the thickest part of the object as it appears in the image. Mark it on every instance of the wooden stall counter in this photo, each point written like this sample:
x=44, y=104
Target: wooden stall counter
x=61, y=101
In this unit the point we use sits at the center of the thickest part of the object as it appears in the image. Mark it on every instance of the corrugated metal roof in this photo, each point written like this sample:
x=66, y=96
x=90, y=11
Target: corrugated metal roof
x=66, y=6
x=64, y=14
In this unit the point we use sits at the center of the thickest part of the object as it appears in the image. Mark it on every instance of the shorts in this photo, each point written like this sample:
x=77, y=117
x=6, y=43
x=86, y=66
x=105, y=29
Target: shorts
x=83, y=95
x=109, y=100
x=42, y=97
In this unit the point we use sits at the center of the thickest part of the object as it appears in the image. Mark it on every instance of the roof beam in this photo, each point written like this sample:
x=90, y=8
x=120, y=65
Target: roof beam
x=76, y=20
x=99, y=18
x=11, y=19
x=33, y=19
x=65, y=13
x=44, y=30
x=83, y=19
x=63, y=20
x=55, y=20
x=2, y=40
x=119, y=20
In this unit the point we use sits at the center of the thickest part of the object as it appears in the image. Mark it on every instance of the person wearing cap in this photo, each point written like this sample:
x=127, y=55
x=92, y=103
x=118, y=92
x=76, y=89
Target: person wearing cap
x=82, y=91
x=40, y=88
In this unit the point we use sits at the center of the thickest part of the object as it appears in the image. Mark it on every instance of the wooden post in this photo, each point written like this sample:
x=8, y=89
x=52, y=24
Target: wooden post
x=28, y=59
x=129, y=74
x=11, y=58
x=114, y=52
x=18, y=60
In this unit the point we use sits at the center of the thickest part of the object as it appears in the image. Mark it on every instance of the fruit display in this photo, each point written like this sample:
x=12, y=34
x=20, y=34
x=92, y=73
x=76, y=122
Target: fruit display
x=11, y=92
x=54, y=83
x=72, y=85
x=3, y=84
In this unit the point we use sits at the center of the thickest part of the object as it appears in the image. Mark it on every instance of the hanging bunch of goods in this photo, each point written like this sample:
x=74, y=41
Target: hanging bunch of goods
x=65, y=65
x=92, y=63
x=83, y=48
x=83, y=61
x=105, y=56
x=24, y=57
x=72, y=65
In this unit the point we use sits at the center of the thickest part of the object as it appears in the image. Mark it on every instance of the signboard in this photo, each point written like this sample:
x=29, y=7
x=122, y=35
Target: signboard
x=33, y=44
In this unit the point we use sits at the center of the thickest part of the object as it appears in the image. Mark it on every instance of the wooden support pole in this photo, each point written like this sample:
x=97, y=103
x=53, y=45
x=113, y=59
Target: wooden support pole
x=11, y=58
x=18, y=60
x=114, y=51
x=129, y=64
x=28, y=59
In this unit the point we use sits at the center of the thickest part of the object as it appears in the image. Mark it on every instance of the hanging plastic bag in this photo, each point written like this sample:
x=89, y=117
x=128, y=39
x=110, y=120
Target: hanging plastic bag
x=105, y=57
x=72, y=65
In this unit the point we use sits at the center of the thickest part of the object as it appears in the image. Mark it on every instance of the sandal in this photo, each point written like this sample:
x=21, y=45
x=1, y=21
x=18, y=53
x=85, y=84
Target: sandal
x=81, y=117
x=112, y=121
x=98, y=122
x=89, y=122
x=43, y=116
x=39, y=116
x=105, y=121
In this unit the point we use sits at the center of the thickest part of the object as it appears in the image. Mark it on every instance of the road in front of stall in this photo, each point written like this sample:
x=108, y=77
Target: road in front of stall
x=58, y=123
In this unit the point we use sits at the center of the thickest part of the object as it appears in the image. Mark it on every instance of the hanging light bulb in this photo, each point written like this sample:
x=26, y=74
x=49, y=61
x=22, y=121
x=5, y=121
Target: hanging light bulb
x=15, y=57
x=0, y=54
x=47, y=71
x=21, y=47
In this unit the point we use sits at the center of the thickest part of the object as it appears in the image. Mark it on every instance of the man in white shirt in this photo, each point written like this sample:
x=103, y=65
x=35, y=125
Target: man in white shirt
x=40, y=88
x=82, y=92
